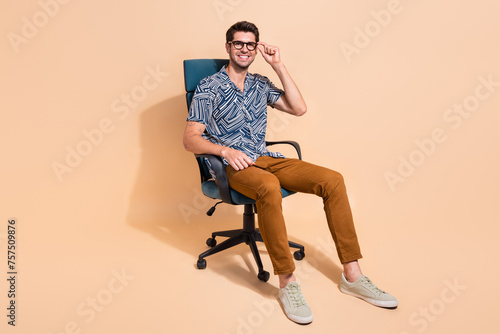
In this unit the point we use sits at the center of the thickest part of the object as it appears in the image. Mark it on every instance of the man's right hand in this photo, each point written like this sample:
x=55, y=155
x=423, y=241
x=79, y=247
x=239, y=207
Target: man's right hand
x=237, y=159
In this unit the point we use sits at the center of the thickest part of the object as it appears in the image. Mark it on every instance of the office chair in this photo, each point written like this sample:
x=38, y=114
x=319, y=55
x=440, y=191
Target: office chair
x=194, y=71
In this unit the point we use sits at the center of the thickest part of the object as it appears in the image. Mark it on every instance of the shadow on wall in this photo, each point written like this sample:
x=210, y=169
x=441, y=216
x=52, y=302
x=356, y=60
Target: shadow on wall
x=167, y=202
x=164, y=201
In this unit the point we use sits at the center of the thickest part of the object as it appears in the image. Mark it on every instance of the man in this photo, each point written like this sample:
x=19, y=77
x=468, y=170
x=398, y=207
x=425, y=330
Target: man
x=228, y=118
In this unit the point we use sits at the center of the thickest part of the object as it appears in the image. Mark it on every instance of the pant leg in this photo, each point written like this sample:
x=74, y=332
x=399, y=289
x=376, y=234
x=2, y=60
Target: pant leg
x=257, y=183
x=301, y=176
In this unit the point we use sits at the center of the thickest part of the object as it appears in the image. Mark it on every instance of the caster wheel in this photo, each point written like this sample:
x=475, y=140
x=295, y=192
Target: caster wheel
x=299, y=255
x=263, y=276
x=201, y=264
x=211, y=242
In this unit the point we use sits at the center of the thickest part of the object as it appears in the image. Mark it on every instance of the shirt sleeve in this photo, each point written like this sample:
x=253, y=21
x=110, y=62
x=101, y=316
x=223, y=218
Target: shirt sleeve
x=201, y=105
x=274, y=93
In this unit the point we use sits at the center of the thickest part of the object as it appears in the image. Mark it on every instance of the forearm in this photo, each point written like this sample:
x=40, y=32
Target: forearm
x=199, y=145
x=293, y=97
x=194, y=142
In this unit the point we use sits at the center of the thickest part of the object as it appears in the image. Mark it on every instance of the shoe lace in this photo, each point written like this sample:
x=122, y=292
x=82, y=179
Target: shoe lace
x=369, y=284
x=296, y=296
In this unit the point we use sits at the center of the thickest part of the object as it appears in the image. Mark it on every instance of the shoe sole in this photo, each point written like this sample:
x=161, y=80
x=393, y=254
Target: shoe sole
x=299, y=320
x=379, y=303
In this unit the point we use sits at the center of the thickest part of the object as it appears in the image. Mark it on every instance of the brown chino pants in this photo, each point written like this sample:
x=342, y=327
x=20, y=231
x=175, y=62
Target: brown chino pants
x=263, y=182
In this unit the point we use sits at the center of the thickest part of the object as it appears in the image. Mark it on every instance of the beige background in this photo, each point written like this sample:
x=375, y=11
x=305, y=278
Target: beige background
x=110, y=246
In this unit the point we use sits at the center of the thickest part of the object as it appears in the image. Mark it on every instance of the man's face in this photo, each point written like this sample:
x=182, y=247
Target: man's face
x=242, y=58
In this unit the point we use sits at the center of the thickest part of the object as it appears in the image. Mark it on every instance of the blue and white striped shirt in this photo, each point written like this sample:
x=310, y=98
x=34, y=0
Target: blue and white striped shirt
x=234, y=118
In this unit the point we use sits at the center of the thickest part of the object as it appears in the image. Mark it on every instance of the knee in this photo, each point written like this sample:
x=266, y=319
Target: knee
x=334, y=182
x=336, y=177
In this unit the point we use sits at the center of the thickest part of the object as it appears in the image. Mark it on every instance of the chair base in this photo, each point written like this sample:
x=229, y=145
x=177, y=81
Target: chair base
x=249, y=235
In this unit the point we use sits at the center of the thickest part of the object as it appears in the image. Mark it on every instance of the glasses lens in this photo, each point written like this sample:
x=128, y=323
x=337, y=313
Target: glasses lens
x=251, y=46
x=238, y=45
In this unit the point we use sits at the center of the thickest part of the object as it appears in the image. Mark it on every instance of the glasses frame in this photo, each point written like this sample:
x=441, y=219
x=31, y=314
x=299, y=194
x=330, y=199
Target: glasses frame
x=244, y=43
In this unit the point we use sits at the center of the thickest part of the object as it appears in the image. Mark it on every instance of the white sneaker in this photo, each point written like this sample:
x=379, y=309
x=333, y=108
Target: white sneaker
x=365, y=289
x=294, y=304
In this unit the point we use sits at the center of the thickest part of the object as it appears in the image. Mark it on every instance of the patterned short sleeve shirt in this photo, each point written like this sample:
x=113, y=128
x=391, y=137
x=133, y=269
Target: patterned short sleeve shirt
x=234, y=118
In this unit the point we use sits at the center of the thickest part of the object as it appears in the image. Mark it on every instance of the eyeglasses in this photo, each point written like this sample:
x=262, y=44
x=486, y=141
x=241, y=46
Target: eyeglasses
x=238, y=45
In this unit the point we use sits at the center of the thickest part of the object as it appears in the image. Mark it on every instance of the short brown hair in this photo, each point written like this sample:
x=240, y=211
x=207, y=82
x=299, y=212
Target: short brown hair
x=242, y=26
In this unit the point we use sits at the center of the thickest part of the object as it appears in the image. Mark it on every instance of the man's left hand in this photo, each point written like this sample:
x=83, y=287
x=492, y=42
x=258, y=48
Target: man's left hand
x=270, y=53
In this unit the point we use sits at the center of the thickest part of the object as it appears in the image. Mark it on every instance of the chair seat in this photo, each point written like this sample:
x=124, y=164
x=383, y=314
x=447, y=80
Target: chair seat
x=210, y=189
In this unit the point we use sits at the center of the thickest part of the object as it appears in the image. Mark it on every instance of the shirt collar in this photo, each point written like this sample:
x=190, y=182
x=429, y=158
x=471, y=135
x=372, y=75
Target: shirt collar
x=249, y=79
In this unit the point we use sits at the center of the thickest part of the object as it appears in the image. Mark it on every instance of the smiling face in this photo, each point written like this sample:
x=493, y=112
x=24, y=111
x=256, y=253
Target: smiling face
x=241, y=58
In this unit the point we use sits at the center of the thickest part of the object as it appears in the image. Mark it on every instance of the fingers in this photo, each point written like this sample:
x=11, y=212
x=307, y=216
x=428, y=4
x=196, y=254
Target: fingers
x=268, y=49
x=249, y=161
x=239, y=160
x=261, y=49
x=242, y=163
x=239, y=164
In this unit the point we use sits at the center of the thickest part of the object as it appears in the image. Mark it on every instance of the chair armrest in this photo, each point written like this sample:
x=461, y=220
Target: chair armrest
x=220, y=175
x=289, y=142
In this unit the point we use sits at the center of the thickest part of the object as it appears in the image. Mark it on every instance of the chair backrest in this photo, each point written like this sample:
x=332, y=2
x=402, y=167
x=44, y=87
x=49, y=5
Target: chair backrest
x=197, y=69
x=194, y=71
